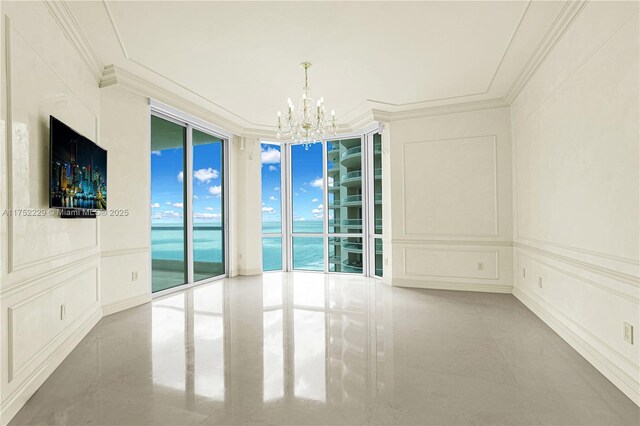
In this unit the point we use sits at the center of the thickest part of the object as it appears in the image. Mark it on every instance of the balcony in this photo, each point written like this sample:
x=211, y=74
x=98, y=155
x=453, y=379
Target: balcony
x=352, y=266
x=352, y=247
x=352, y=200
x=378, y=173
x=352, y=179
x=351, y=157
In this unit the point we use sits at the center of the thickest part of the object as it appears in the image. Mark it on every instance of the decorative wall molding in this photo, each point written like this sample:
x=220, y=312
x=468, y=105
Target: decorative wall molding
x=627, y=279
x=453, y=242
x=51, y=343
x=563, y=20
x=456, y=108
x=493, y=234
x=13, y=402
x=72, y=30
x=554, y=318
x=124, y=252
x=24, y=284
x=113, y=75
x=415, y=276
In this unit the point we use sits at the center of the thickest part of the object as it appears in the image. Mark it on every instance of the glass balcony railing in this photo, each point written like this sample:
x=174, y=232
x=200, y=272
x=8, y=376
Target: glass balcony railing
x=378, y=198
x=351, y=151
x=352, y=200
x=352, y=178
x=378, y=173
x=353, y=247
x=351, y=157
x=352, y=266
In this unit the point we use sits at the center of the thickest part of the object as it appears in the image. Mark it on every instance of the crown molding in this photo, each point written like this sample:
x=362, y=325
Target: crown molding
x=563, y=20
x=73, y=32
x=380, y=115
x=115, y=75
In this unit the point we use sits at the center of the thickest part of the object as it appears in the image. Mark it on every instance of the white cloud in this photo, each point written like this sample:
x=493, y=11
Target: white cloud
x=268, y=210
x=277, y=188
x=155, y=205
x=272, y=198
x=158, y=153
x=272, y=168
x=215, y=190
x=168, y=203
x=178, y=205
x=300, y=218
x=180, y=177
x=207, y=216
x=315, y=200
x=206, y=175
x=318, y=210
x=303, y=190
x=195, y=197
x=170, y=214
x=270, y=156
x=317, y=183
x=209, y=208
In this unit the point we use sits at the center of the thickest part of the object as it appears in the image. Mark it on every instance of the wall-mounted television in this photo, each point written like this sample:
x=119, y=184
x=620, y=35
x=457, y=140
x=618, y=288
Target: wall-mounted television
x=78, y=170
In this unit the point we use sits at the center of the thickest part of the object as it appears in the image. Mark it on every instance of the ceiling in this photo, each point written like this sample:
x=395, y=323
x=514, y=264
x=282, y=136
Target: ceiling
x=242, y=59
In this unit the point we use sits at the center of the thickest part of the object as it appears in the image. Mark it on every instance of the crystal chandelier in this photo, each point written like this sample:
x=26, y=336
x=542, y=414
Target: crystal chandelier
x=305, y=125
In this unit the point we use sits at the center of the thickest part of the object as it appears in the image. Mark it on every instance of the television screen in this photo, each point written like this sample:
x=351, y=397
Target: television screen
x=78, y=168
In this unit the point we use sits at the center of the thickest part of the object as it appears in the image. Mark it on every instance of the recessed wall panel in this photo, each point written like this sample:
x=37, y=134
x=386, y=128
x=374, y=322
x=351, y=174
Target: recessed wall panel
x=450, y=187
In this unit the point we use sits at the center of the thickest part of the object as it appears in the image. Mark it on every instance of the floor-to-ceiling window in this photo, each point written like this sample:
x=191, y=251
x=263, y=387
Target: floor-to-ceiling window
x=272, y=249
x=345, y=202
x=188, y=238
x=208, y=201
x=327, y=212
x=374, y=142
x=307, y=207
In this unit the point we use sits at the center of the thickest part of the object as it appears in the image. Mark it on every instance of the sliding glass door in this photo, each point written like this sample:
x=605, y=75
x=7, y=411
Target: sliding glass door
x=188, y=238
x=168, y=228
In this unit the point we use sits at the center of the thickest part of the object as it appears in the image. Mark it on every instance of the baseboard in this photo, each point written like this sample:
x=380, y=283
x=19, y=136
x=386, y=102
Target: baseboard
x=438, y=285
x=609, y=369
x=247, y=272
x=121, y=305
x=21, y=395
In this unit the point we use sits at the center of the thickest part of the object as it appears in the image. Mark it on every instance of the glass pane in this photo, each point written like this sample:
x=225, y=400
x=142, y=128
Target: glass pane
x=271, y=183
x=344, y=170
x=378, y=257
x=168, y=238
x=308, y=253
x=307, y=188
x=208, y=202
x=345, y=255
x=377, y=183
x=272, y=254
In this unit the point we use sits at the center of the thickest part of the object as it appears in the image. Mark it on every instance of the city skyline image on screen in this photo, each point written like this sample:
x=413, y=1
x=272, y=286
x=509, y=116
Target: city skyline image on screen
x=78, y=170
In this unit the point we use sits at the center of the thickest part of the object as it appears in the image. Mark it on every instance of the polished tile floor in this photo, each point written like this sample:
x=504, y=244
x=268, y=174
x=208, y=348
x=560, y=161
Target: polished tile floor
x=307, y=348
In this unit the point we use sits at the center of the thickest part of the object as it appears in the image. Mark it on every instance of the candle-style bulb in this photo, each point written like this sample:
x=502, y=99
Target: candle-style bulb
x=333, y=113
x=279, y=114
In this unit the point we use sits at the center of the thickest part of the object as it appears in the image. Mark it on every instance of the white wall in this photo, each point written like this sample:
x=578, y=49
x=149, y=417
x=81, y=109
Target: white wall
x=46, y=261
x=450, y=184
x=125, y=235
x=576, y=189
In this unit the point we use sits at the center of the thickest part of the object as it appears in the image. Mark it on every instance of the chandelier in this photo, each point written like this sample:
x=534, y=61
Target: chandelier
x=306, y=124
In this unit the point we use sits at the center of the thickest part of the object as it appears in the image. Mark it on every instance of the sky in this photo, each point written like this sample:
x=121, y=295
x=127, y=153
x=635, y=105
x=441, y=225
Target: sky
x=167, y=177
x=306, y=188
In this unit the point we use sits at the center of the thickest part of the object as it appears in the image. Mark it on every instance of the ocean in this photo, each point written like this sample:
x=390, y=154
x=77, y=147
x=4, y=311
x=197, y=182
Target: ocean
x=168, y=243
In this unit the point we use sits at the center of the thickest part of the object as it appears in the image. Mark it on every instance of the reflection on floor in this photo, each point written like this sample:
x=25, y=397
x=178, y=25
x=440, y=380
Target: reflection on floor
x=308, y=348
